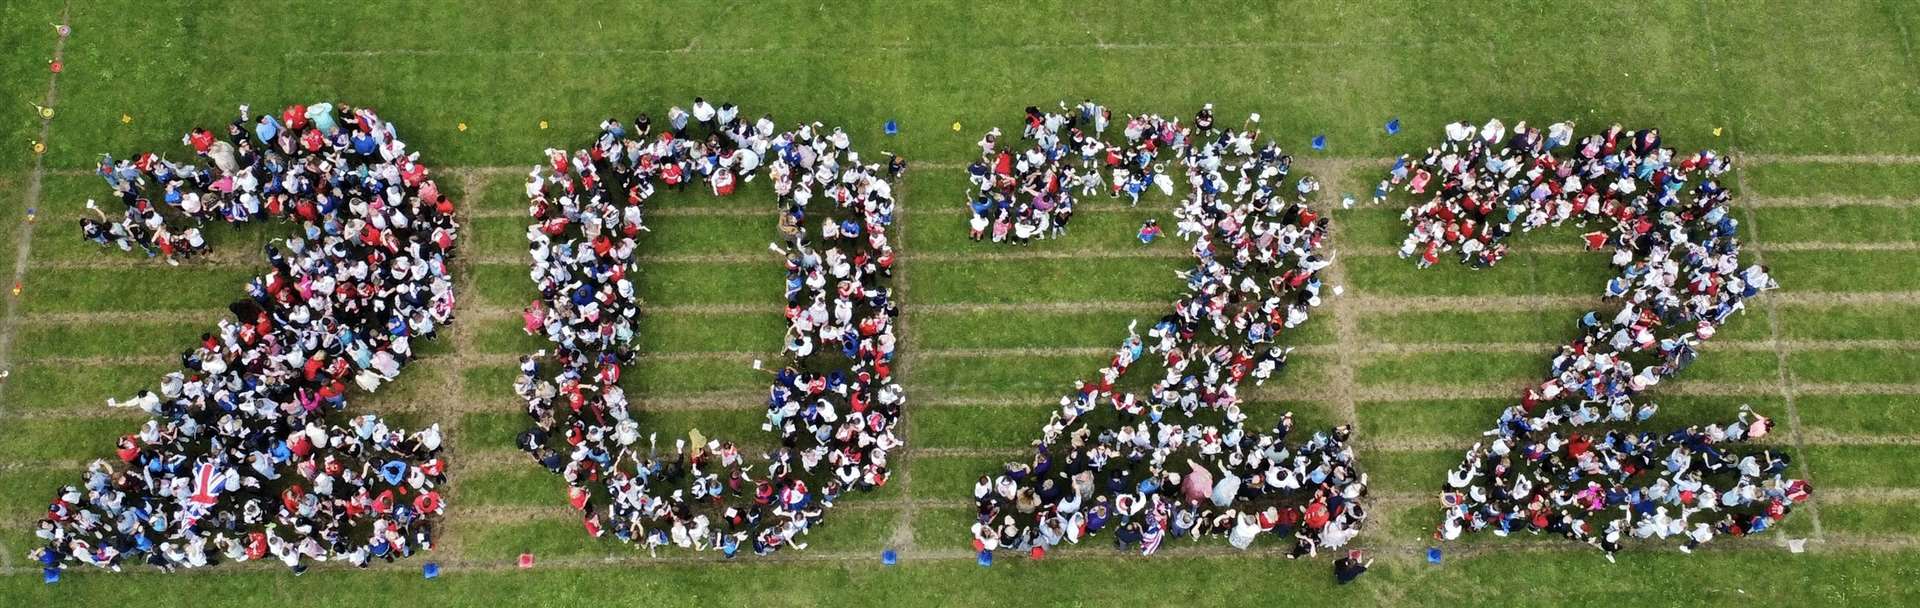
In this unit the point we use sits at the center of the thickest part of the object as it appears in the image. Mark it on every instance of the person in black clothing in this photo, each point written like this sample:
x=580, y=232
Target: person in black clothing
x=1127, y=536
x=1350, y=567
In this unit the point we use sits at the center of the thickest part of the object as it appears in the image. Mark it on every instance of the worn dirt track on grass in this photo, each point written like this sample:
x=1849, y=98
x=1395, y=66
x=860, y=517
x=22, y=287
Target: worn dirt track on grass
x=23, y=235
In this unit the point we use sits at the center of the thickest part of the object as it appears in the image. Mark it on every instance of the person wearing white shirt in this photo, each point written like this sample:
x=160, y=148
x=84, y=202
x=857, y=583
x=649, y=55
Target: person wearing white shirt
x=704, y=113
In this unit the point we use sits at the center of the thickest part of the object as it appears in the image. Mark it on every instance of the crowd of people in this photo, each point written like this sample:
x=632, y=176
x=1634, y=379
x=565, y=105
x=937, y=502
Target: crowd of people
x=1675, y=246
x=163, y=215
x=832, y=408
x=247, y=454
x=1179, y=461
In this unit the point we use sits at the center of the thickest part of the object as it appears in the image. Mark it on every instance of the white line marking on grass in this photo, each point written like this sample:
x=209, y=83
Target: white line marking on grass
x=473, y=185
x=1827, y=201
x=1846, y=159
x=1345, y=327
x=1786, y=381
x=1405, y=553
x=1368, y=304
x=693, y=48
x=1323, y=163
x=23, y=235
x=1564, y=248
x=495, y=259
x=902, y=538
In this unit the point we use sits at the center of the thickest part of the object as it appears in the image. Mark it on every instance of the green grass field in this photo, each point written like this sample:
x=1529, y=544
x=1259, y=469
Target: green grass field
x=1821, y=101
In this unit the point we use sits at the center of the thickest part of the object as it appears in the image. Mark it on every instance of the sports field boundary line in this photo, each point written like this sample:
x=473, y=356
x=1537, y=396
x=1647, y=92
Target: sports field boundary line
x=1396, y=498
x=1100, y=206
x=228, y=259
x=1835, y=159
x=473, y=188
x=1787, y=382
x=1789, y=386
x=1370, y=305
x=1757, y=201
x=902, y=538
x=746, y=401
x=694, y=48
x=1406, y=553
x=496, y=460
x=1309, y=162
x=23, y=234
x=1370, y=349
x=1345, y=326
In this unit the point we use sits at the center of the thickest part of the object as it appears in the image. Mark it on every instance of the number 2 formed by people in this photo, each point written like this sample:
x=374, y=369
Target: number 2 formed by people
x=1178, y=461
x=833, y=405
x=245, y=455
x=1667, y=219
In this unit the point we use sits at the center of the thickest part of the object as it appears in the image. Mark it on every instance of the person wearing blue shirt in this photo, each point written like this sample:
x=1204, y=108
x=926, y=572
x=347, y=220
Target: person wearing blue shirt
x=266, y=129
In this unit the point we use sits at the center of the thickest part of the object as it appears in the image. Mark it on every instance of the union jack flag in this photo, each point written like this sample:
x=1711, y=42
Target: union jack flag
x=1150, y=541
x=207, y=483
x=1156, y=529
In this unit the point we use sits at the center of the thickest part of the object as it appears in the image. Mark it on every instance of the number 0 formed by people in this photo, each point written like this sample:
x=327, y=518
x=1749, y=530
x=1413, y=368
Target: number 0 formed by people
x=1668, y=220
x=247, y=453
x=832, y=405
x=1180, y=459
